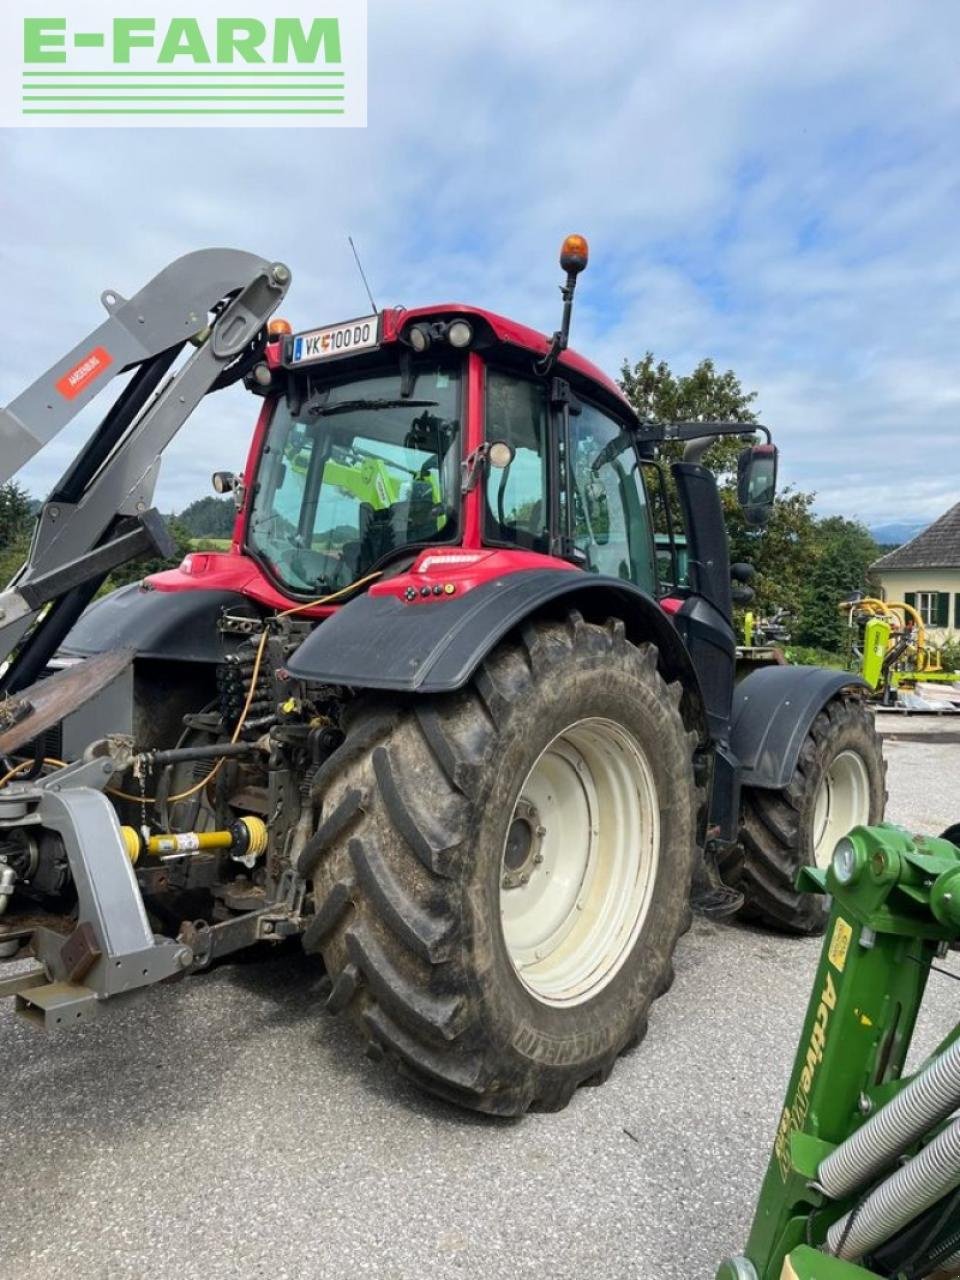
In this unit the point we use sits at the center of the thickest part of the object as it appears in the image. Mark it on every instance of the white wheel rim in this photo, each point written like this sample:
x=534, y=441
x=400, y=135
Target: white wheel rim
x=579, y=862
x=843, y=801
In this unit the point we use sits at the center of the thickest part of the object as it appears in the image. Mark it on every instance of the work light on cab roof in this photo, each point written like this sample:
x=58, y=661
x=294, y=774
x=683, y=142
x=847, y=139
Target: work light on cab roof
x=459, y=334
x=574, y=256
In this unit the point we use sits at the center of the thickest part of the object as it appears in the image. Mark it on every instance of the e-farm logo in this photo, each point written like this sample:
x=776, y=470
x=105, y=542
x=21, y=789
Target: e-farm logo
x=103, y=63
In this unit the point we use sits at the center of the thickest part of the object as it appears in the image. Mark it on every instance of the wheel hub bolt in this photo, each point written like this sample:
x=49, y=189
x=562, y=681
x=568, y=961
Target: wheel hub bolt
x=522, y=848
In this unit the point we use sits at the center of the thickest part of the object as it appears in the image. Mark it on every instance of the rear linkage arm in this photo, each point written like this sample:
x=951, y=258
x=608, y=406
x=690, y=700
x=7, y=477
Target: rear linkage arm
x=99, y=514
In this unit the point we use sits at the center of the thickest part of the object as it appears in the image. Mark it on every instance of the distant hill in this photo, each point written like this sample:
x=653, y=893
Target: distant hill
x=209, y=517
x=895, y=534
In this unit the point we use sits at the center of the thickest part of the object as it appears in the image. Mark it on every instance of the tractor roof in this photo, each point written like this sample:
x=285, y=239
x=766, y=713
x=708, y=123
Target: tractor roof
x=504, y=330
x=510, y=332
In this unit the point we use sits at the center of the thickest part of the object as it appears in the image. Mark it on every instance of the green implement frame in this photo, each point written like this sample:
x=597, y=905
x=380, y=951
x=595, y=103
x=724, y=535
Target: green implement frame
x=896, y=909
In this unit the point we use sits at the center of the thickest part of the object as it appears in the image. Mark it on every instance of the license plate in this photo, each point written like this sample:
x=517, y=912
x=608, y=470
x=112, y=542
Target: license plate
x=336, y=340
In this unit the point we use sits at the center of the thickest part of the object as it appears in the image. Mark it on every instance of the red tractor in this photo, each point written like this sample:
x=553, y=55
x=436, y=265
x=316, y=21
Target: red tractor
x=442, y=710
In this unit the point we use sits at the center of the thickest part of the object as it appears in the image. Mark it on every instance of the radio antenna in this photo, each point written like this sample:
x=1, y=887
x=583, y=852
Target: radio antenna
x=362, y=275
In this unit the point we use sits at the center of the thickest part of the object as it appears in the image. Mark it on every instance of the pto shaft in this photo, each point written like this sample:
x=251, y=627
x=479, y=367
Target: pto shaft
x=246, y=838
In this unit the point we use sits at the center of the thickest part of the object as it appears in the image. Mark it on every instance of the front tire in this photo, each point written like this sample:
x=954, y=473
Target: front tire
x=477, y=905
x=839, y=783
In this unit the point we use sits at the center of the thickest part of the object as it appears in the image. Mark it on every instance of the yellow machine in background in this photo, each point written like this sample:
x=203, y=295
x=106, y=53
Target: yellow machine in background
x=894, y=651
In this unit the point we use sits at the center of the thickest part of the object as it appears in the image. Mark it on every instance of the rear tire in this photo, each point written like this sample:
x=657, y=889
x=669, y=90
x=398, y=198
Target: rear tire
x=412, y=868
x=839, y=782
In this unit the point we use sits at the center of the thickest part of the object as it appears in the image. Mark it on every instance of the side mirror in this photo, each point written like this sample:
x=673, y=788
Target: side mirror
x=757, y=482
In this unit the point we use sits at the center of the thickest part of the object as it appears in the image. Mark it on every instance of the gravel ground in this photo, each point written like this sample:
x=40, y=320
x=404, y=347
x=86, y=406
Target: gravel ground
x=226, y=1130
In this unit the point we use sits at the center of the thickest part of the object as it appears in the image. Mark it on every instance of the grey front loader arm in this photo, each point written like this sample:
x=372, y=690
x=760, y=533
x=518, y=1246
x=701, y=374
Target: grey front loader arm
x=99, y=514
x=171, y=309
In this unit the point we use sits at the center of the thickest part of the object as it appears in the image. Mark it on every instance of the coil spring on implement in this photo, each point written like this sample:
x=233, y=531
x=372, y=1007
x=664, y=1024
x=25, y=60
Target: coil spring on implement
x=931, y=1174
x=931, y=1097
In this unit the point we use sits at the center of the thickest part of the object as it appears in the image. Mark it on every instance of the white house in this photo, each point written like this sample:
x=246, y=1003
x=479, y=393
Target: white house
x=925, y=573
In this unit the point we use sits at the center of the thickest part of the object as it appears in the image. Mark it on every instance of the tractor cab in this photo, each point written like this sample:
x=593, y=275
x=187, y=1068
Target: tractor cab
x=423, y=431
x=440, y=436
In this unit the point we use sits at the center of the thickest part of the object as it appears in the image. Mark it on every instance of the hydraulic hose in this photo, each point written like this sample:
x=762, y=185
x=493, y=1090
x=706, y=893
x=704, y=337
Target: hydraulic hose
x=929, y=1176
x=932, y=1096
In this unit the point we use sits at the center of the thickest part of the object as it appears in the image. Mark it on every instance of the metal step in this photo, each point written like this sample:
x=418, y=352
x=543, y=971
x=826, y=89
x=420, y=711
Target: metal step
x=57, y=1004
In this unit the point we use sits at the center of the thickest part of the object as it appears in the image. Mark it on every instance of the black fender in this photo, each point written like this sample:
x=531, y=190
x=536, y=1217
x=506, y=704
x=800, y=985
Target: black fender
x=435, y=645
x=773, y=709
x=177, y=626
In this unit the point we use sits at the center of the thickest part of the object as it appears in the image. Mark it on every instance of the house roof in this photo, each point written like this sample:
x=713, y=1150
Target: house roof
x=937, y=547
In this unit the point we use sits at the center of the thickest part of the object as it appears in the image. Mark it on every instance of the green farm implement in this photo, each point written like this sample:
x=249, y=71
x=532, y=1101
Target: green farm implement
x=864, y=1179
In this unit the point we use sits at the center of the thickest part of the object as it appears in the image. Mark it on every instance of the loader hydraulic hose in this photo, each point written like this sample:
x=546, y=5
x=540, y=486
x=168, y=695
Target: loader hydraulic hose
x=928, y=1099
x=929, y=1176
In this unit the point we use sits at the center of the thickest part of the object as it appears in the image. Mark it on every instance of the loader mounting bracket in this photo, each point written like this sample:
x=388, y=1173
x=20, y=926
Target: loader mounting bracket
x=113, y=950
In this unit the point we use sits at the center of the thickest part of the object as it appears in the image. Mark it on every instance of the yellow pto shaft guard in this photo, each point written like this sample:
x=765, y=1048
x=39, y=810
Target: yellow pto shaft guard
x=246, y=838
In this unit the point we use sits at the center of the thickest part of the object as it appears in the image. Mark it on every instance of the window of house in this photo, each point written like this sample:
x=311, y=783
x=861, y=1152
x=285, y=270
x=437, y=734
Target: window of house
x=932, y=606
x=927, y=606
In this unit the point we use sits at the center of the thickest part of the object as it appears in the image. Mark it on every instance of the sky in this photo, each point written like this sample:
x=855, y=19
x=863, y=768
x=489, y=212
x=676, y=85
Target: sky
x=775, y=186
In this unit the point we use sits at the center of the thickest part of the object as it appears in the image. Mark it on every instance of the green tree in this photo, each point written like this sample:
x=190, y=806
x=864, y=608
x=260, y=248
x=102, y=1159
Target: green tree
x=839, y=566
x=16, y=527
x=779, y=552
x=16, y=513
x=657, y=393
x=704, y=395
x=209, y=517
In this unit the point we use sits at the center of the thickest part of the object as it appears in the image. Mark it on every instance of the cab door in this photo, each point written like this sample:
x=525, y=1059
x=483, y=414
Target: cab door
x=609, y=515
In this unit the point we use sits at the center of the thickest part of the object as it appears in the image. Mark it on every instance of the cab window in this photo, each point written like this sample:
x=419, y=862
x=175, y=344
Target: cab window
x=609, y=514
x=515, y=506
x=357, y=474
x=673, y=560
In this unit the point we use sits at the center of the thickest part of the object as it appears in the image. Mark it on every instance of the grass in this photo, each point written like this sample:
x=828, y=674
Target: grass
x=804, y=656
